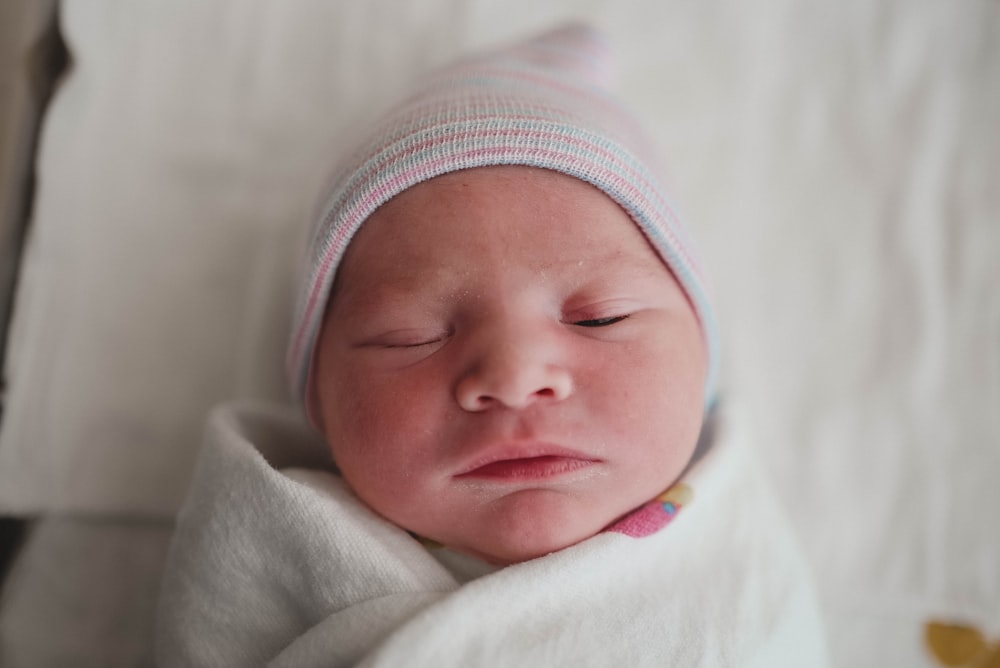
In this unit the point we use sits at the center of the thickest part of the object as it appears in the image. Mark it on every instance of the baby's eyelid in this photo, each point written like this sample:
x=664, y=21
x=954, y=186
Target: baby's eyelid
x=601, y=322
x=600, y=313
x=416, y=344
x=403, y=339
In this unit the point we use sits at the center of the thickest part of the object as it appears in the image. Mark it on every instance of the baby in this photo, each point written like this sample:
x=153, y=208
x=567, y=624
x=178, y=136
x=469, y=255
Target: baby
x=506, y=345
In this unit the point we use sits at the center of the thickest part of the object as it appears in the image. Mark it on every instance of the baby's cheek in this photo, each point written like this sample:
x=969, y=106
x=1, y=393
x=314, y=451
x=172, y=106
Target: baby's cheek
x=665, y=399
x=384, y=420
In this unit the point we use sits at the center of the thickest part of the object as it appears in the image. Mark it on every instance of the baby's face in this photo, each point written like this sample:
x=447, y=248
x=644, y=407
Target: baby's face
x=506, y=366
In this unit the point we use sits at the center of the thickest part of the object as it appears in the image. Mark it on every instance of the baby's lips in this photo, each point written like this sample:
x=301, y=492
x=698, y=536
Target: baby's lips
x=530, y=468
x=523, y=456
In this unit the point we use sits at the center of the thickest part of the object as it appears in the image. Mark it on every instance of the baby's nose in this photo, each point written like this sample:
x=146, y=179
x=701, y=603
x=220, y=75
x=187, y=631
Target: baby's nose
x=514, y=372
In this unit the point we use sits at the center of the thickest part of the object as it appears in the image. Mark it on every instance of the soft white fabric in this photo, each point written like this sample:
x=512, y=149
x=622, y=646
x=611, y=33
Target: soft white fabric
x=291, y=569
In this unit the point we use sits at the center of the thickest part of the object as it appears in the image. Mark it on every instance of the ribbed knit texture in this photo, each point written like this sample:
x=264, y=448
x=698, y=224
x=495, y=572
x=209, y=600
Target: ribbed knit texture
x=541, y=103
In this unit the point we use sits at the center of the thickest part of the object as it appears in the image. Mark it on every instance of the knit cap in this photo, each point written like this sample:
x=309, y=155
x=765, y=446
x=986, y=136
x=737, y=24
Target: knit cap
x=545, y=103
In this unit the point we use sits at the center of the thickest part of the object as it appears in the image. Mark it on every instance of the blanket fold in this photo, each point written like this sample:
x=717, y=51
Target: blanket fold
x=276, y=562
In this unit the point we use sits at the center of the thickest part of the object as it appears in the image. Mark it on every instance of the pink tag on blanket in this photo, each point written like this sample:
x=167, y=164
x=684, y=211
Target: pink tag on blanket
x=653, y=516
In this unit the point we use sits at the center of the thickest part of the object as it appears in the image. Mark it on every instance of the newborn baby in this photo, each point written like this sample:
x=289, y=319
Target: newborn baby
x=505, y=343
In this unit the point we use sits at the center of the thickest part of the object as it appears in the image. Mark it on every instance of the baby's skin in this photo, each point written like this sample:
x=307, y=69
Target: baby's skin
x=506, y=366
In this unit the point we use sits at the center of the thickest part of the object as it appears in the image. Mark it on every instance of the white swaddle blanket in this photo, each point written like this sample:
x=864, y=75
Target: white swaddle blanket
x=276, y=562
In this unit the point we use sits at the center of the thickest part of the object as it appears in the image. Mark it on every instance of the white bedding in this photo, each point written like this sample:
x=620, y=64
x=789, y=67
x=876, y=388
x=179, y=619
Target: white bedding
x=275, y=561
x=838, y=163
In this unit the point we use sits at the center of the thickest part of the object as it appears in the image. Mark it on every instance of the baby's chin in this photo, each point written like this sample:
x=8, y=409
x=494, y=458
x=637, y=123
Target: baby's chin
x=501, y=553
x=506, y=554
x=510, y=537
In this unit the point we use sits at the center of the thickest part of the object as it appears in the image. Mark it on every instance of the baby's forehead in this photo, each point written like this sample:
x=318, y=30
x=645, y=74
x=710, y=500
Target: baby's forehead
x=486, y=219
x=392, y=271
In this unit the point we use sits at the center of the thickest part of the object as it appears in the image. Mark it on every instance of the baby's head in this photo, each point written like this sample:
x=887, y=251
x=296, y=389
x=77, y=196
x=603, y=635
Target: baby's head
x=514, y=350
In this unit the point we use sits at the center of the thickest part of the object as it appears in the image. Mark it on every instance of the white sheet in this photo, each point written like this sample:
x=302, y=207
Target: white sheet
x=838, y=162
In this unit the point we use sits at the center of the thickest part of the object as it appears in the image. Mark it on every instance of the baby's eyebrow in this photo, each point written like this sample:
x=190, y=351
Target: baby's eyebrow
x=382, y=298
x=615, y=261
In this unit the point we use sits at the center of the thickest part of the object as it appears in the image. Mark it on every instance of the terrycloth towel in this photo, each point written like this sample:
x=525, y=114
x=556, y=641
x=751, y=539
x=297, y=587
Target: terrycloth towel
x=276, y=562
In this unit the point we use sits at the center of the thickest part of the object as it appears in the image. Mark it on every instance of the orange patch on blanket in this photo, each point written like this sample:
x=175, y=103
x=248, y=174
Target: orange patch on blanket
x=958, y=645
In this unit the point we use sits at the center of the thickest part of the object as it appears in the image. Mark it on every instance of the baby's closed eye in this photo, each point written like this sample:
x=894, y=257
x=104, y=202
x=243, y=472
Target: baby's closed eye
x=600, y=322
x=403, y=338
x=585, y=311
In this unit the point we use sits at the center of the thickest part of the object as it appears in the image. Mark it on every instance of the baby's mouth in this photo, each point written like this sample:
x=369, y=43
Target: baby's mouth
x=525, y=461
x=528, y=468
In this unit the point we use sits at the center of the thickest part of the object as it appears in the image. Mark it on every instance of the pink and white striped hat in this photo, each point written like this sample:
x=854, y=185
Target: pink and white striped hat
x=541, y=103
